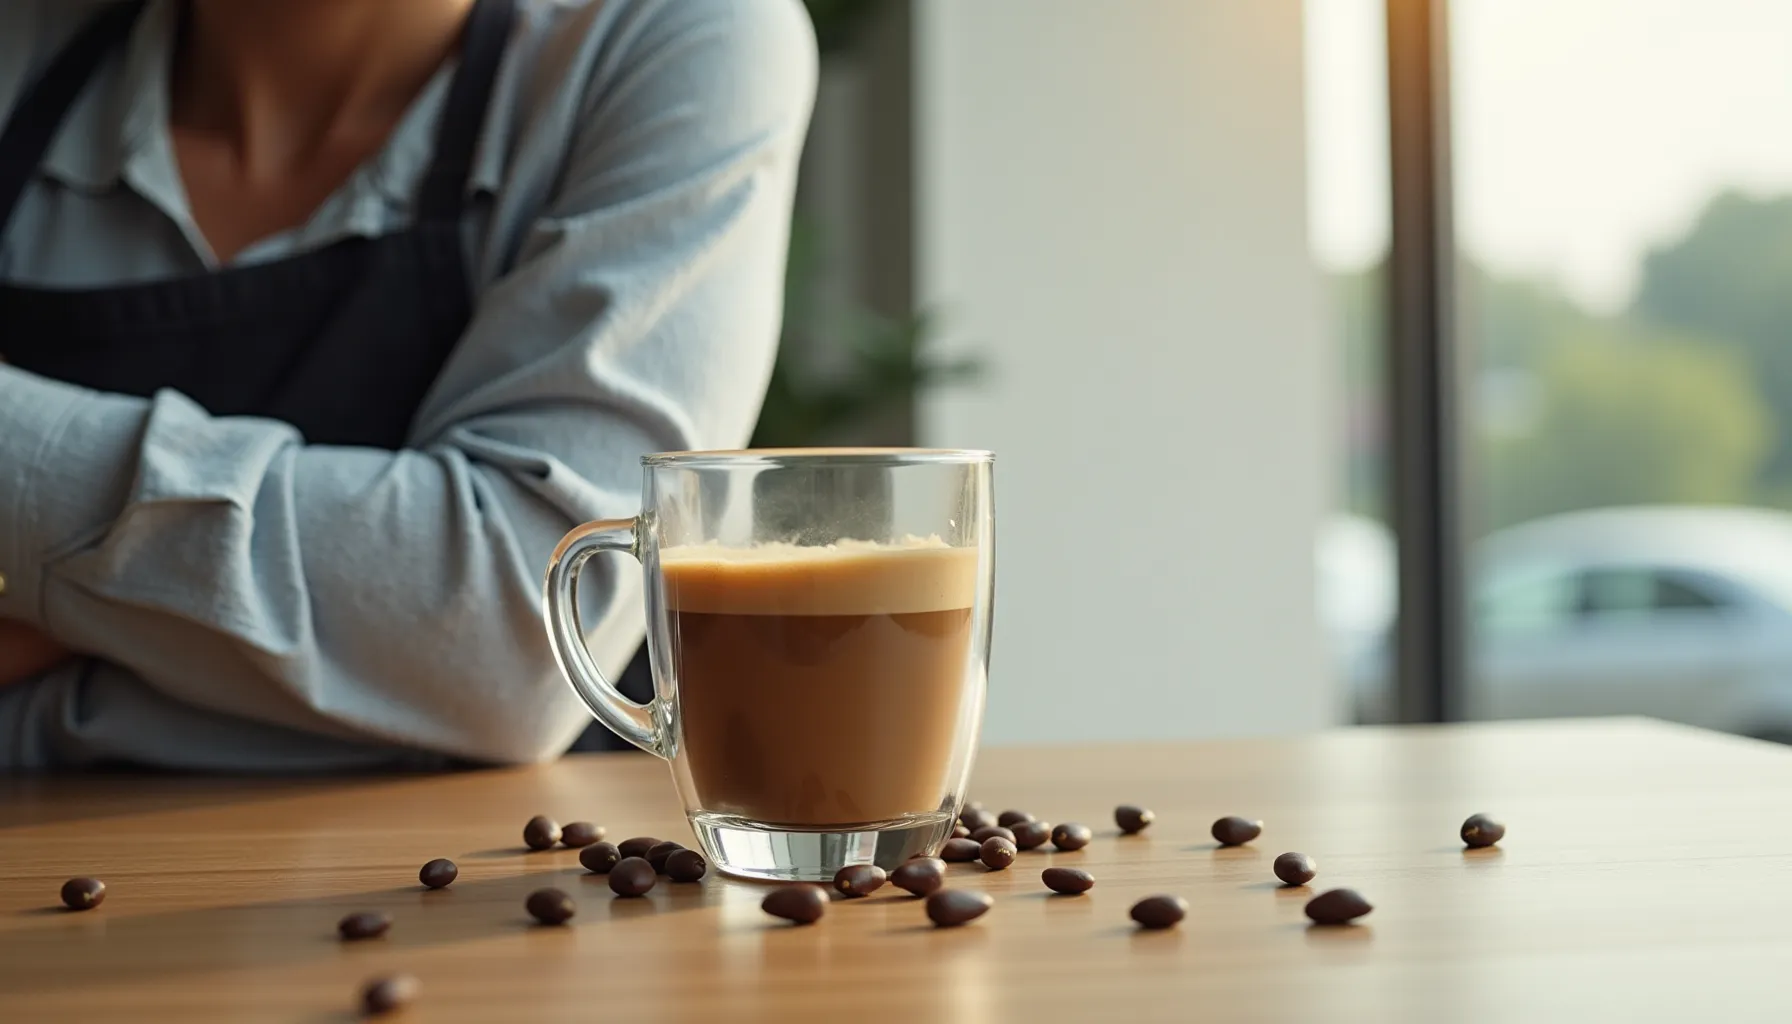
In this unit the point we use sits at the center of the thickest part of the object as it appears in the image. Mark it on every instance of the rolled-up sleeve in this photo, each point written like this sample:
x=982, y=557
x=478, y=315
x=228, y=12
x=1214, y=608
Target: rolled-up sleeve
x=393, y=597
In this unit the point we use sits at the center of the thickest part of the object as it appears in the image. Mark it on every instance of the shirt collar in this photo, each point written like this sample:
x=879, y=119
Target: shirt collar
x=122, y=108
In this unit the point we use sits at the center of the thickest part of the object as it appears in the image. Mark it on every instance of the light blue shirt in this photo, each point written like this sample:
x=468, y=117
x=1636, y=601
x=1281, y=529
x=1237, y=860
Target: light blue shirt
x=244, y=601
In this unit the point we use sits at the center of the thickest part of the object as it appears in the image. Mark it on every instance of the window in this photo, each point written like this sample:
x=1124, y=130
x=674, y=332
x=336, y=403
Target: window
x=1530, y=604
x=1674, y=593
x=1623, y=228
x=1638, y=593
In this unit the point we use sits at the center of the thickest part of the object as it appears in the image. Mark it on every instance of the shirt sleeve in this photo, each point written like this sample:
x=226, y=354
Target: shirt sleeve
x=394, y=596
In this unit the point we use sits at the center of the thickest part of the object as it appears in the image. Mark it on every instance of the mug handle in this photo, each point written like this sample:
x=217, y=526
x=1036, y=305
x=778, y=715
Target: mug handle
x=633, y=722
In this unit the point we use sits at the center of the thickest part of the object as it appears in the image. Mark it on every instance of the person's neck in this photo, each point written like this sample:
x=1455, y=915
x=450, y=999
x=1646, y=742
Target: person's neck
x=280, y=81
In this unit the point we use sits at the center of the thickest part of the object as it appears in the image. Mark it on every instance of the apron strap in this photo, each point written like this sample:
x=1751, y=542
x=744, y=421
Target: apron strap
x=41, y=108
x=487, y=33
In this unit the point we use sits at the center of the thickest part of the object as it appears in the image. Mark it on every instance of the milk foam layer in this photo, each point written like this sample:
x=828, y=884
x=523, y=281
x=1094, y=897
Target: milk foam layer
x=847, y=578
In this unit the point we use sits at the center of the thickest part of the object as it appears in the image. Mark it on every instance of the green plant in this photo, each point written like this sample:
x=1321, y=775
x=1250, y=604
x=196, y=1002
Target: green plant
x=883, y=366
x=875, y=364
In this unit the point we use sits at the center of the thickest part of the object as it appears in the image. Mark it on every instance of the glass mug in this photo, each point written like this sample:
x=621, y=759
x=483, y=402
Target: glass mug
x=818, y=621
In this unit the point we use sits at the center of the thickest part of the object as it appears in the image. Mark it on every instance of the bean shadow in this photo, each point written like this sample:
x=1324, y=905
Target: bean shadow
x=280, y=933
x=506, y=852
x=1279, y=889
x=1336, y=934
x=1245, y=852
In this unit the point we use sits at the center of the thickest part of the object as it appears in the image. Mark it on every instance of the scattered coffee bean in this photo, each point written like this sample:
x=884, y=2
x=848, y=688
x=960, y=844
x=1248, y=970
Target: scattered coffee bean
x=1337, y=906
x=1133, y=820
x=976, y=818
x=1236, y=831
x=383, y=995
x=949, y=908
x=541, y=832
x=550, y=906
x=632, y=876
x=1159, y=911
x=438, y=873
x=919, y=876
x=1067, y=880
x=989, y=831
x=1009, y=819
x=1296, y=868
x=997, y=853
x=1071, y=836
x=370, y=924
x=638, y=846
x=83, y=893
x=859, y=879
x=960, y=850
x=657, y=856
x=579, y=834
x=1480, y=831
x=960, y=832
x=973, y=805
x=686, y=866
x=799, y=904
x=599, y=858
x=1030, y=835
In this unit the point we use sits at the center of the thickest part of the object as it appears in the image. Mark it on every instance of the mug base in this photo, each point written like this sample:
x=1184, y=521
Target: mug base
x=763, y=853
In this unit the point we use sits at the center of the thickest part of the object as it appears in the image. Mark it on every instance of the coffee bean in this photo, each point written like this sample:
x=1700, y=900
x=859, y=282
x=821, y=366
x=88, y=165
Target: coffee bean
x=1030, y=835
x=1071, y=836
x=976, y=818
x=997, y=853
x=550, y=906
x=1481, y=831
x=960, y=832
x=579, y=834
x=657, y=856
x=1236, y=831
x=1338, y=906
x=638, y=846
x=1133, y=820
x=1009, y=819
x=686, y=866
x=83, y=893
x=438, y=873
x=383, y=995
x=1159, y=911
x=369, y=924
x=989, y=831
x=919, y=876
x=798, y=904
x=541, y=832
x=1067, y=880
x=1296, y=868
x=949, y=908
x=959, y=850
x=599, y=858
x=859, y=879
x=632, y=876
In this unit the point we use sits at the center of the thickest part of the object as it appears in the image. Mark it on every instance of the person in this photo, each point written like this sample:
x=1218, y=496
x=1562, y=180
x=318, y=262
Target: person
x=322, y=321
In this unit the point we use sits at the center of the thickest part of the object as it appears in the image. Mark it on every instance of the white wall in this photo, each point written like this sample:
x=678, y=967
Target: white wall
x=1112, y=210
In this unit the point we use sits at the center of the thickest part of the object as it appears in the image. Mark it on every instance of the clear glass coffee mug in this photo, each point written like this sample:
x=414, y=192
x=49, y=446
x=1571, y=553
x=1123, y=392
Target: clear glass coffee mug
x=818, y=622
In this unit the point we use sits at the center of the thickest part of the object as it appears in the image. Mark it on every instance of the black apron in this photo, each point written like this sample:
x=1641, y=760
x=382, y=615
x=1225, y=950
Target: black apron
x=341, y=343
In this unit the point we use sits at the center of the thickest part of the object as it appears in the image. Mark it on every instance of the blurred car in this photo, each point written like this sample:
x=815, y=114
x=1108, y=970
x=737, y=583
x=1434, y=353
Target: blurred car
x=1681, y=613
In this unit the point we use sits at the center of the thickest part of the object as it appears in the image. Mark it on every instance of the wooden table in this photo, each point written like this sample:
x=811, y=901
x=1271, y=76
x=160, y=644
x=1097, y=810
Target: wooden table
x=1647, y=875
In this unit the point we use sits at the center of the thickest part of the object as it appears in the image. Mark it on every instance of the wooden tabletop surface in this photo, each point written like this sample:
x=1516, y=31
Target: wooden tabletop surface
x=1647, y=875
